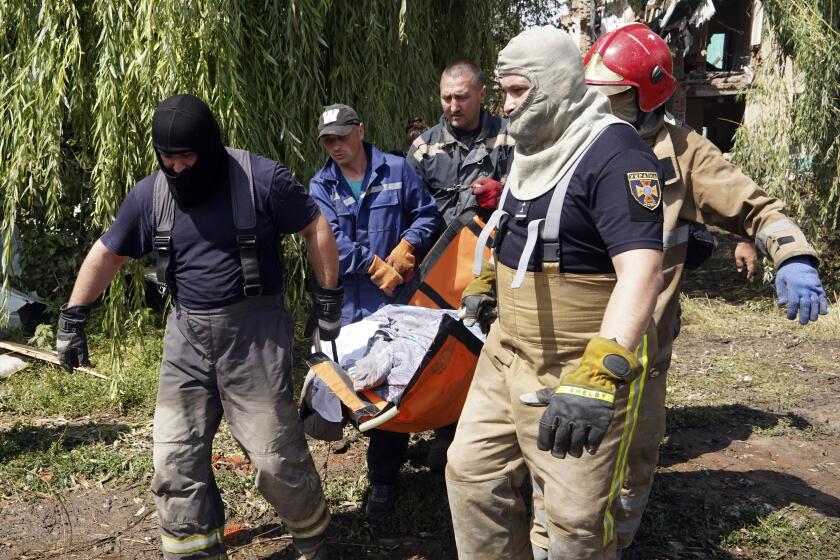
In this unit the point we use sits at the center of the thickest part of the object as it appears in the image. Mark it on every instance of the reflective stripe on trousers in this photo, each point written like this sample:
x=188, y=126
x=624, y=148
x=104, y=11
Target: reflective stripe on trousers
x=542, y=330
x=233, y=361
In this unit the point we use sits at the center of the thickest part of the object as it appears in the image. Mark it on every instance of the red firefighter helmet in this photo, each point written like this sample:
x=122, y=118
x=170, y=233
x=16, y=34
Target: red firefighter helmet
x=632, y=56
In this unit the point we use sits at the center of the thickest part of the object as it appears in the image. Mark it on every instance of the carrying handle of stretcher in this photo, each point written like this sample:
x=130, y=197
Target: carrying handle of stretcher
x=316, y=342
x=379, y=419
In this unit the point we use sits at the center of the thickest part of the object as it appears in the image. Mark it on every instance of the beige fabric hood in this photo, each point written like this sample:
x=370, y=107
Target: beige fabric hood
x=559, y=118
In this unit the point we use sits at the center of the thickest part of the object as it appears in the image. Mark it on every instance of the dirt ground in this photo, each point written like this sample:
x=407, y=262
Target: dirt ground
x=749, y=469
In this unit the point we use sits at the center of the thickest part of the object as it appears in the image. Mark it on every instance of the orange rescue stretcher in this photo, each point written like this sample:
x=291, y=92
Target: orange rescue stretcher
x=434, y=396
x=436, y=393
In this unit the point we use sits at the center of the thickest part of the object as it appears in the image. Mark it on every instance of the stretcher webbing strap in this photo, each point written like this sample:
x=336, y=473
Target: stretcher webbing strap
x=492, y=223
x=631, y=416
x=193, y=543
x=340, y=384
x=313, y=525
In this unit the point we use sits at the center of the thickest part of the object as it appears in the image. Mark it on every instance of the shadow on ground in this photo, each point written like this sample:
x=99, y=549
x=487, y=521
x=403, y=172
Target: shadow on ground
x=714, y=503
x=717, y=504
x=718, y=278
x=720, y=425
x=21, y=439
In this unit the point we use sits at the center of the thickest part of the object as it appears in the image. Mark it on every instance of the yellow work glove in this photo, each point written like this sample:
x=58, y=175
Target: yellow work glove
x=478, y=301
x=384, y=276
x=402, y=257
x=580, y=408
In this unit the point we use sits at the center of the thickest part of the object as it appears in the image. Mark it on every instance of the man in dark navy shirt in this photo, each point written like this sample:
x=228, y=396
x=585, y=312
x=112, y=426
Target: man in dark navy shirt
x=214, y=217
x=578, y=266
x=600, y=216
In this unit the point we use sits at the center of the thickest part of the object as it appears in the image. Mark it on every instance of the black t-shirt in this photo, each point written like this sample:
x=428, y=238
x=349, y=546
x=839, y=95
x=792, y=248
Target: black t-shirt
x=465, y=137
x=613, y=204
x=205, y=255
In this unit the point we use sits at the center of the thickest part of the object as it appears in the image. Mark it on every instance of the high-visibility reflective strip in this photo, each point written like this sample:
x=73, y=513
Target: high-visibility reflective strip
x=383, y=187
x=429, y=150
x=588, y=393
x=675, y=237
x=634, y=399
x=503, y=139
x=775, y=227
x=313, y=525
x=193, y=543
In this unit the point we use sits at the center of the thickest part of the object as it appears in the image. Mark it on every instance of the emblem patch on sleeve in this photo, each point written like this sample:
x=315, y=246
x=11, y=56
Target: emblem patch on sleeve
x=645, y=189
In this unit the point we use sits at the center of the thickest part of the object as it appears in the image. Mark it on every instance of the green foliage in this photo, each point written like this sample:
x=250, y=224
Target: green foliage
x=80, y=79
x=793, y=150
x=43, y=337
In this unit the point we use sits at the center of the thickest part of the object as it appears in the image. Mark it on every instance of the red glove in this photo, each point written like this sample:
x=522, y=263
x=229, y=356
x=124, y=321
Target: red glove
x=487, y=192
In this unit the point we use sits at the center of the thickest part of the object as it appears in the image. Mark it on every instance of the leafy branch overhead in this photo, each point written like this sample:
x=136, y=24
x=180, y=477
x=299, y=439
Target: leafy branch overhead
x=80, y=80
x=793, y=148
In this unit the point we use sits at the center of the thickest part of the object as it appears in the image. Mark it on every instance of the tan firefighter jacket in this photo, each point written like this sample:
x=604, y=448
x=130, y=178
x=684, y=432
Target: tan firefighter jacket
x=701, y=186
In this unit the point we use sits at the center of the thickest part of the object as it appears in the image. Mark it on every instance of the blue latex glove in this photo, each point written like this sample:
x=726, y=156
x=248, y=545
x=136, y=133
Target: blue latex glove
x=798, y=286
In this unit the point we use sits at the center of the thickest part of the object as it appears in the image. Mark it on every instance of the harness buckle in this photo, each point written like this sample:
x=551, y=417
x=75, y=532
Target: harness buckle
x=161, y=242
x=246, y=241
x=551, y=251
x=252, y=290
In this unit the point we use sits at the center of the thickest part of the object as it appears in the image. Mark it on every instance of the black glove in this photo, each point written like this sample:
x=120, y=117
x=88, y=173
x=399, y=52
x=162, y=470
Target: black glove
x=71, y=340
x=326, y=312
x=478, y=308
x=571, y=423
x=580, y=408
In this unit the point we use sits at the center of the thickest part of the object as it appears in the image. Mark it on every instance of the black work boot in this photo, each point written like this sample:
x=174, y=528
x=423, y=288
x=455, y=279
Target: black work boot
x=380, y=502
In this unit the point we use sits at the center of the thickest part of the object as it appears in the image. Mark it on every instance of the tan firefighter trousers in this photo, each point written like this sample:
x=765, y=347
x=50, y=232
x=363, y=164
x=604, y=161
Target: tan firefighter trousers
x=542, y=331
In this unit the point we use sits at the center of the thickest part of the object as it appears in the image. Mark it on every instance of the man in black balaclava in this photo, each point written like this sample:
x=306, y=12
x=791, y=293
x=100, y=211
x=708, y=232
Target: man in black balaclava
x=229, y=337
x=183, y=125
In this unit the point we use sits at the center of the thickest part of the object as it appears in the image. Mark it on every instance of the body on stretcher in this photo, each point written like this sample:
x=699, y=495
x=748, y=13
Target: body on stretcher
x=425, y=356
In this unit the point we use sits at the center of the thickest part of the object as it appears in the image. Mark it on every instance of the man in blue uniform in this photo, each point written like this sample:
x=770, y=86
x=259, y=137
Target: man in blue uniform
x=382, y=217
x=214, y=218
x=578, y=257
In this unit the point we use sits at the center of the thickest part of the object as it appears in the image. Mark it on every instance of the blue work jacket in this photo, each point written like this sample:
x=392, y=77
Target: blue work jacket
x=393, y=205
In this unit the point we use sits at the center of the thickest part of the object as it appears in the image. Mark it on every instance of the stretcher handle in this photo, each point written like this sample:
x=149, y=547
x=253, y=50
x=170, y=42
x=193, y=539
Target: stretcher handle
x=379, y=419
x=316, y=342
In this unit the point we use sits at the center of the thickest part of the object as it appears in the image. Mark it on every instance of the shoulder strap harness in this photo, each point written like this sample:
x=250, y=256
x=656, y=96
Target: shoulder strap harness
x=244, y=219
x=549, y=232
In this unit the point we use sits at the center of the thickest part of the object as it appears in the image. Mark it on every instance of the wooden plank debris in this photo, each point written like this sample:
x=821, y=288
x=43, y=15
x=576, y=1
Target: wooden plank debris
x=44, y=355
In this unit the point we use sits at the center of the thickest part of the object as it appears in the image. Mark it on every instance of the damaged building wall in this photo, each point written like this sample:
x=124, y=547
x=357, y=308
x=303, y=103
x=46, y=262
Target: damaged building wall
x=716, y=44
